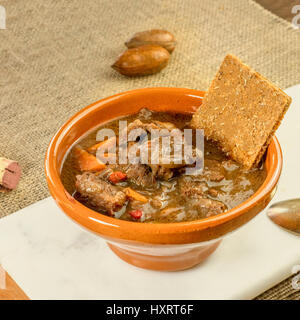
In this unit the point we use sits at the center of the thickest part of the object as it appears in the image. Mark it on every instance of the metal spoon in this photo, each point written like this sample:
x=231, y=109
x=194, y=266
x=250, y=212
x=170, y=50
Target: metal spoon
x=286, y=214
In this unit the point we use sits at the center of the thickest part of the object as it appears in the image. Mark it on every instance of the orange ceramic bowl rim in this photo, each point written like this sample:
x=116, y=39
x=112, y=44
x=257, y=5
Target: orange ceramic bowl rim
x=156, y=233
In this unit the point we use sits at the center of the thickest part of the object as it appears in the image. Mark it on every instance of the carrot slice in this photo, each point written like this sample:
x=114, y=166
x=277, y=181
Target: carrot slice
x=103, y=144
x=106, y=158
x=86, y=161
x=133, y=195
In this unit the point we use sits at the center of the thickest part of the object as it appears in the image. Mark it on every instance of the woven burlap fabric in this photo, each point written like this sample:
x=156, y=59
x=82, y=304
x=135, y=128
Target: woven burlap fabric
x=55, y=58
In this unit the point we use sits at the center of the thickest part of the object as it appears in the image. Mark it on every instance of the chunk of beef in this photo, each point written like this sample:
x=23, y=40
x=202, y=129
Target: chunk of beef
x=164, y=168
x=100, y=193
x=148, y=126
x=139, y=174
x=145, y=114
x=189, y=186
x=193, y=191
x=138, y=124
x=213, y=192
x=165, y=125
x=161, y=172
x=207, y=207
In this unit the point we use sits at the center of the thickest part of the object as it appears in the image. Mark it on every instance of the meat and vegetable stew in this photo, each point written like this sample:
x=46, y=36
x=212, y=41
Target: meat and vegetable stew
x=156, y=192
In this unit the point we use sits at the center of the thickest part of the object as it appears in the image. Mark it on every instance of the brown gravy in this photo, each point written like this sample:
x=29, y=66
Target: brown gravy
x=222, y=185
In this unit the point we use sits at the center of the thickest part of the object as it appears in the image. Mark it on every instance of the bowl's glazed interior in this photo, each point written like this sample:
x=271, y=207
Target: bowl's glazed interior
x=170, y=246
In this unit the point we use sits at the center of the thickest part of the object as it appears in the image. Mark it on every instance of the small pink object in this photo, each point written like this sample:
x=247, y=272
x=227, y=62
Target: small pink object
x=10, y=173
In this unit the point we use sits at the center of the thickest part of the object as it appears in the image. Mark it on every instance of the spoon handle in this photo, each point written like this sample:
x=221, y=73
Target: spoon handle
x=286, y=214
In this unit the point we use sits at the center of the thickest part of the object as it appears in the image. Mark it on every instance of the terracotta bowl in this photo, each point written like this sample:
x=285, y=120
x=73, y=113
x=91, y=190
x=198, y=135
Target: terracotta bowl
x=170, y=246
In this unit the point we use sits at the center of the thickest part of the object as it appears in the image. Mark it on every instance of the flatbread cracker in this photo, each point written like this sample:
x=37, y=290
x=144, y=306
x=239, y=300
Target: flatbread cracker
x=241, y=111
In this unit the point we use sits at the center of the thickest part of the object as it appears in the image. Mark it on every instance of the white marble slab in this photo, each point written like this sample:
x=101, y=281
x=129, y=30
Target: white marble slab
x=51, y=257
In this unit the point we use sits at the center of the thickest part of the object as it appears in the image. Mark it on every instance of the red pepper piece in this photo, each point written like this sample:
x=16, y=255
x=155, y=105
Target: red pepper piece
x=117, y=176
x=136, y=214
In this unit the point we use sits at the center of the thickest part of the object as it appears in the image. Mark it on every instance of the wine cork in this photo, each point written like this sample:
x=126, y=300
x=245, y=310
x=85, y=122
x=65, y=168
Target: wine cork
x=10, y=173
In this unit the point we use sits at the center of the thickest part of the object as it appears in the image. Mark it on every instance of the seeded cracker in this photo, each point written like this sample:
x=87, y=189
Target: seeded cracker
x=241, y=111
